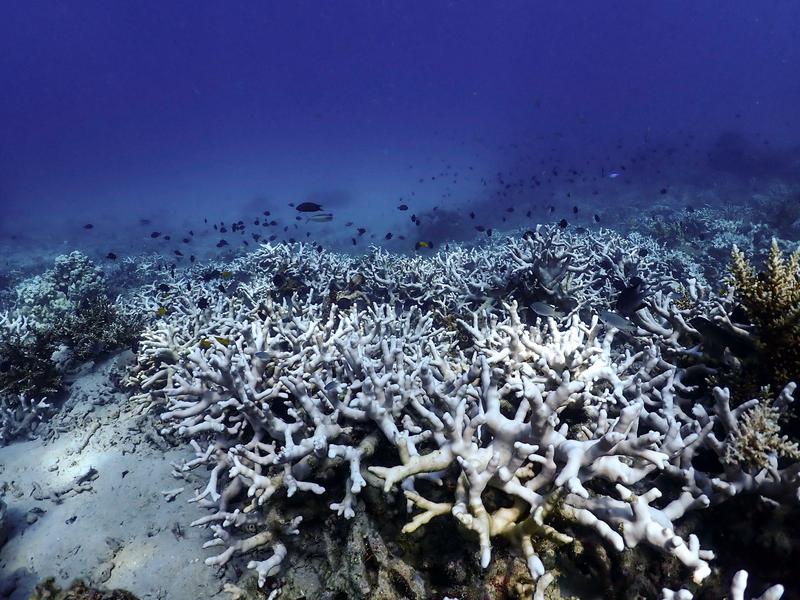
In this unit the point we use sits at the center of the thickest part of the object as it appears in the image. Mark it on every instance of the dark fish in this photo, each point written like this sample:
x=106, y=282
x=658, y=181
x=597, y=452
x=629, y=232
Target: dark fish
x=155, y=234
x=353, y=240
x=489, y=232
x=202, y=303
x=563, y=223
x=663, y=191
x=575, y=210
x=192, y=258
x=308, y=207
x=388, y=236
x=715, y=335
x=144, y=221
x=690, y=209
x=221, y=243
x=111, y=256
x=221, y=288
x=262, y=355
x=186, y=240
x=480, y=228
x=178, y=253
x=510, y=209
x=166, y=237
x=163, y=287
x=361, y=231
x=402, y=207
x=348, y=224
x=266, y=213
x=597, y=218
x=472, y=215
x=642, y=252
x=88, y=226
x=632, y=297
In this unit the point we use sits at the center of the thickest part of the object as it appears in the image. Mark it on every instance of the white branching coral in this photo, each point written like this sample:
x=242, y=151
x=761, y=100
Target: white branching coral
x=280, y=390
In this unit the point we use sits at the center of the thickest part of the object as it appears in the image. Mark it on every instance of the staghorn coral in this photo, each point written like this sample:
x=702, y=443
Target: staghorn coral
x=756, y=442
x=771, y=300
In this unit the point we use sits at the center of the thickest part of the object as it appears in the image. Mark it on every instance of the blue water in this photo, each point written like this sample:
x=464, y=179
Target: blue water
x=113, y=112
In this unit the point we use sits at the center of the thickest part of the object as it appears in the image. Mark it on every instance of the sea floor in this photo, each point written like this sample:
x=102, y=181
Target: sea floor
x=115, y=529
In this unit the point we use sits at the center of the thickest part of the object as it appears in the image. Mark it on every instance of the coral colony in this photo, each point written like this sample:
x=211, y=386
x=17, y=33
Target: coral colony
x=501, y=390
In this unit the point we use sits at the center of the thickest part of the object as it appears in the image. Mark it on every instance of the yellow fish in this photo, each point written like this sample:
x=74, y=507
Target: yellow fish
x=224, y=341
x=161, y=311
x=205, y=344
x=227, y=274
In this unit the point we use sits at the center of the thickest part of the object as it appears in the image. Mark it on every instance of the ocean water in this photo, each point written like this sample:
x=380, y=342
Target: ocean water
x=206, y=157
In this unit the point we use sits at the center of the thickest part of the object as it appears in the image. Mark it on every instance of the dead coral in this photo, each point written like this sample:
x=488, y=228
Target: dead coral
x=48, y=590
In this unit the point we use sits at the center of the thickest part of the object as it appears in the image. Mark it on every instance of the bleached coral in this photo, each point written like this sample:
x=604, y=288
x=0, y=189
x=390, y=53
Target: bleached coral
x=579, y=429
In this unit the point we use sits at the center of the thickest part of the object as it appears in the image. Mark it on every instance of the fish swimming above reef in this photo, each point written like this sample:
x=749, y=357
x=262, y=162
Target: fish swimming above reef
x=308, y=207
x=716, y=335
x=322, y=218
x=543, y=309
x=612, y=319
x=88, y=226
x=423, y=244
x=632, y=296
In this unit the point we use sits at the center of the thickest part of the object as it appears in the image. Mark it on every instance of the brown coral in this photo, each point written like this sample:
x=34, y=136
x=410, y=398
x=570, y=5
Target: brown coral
x=772, y=302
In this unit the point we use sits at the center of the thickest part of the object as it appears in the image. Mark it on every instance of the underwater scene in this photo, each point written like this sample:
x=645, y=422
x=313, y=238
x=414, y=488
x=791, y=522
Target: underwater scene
x=446, y=300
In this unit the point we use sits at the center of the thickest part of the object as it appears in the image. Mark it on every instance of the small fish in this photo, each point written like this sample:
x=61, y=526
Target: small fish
x=163, y=287
x=202, y=303
x=574, y=210
x=88, y=226
x=192, y=258
x=161, y=311
x=563, y=223
x=348, y=224
x=155, y=234
x=111, y=256
x=361, y=231
x=388, y=236
x=597, y=218
x=663, y=191
x=632, y=296
x=262, y=355
x=144, y=221
x=325, y=218
x=186, y=240
x=308, y=207
x=543, y=309
x=489, y=232
x=423, y=244
x=642, y=252
x=166, y=237
x=354, y=241
x=613, y=175
x=178, y=253
x=612, y=319
x=226, y=274
x=480, y=228
x=221, y=243
x=403, y=207
x=471, y=215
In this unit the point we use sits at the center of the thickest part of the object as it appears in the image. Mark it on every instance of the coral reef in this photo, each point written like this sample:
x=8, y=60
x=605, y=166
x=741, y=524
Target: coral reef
x=527, y=432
